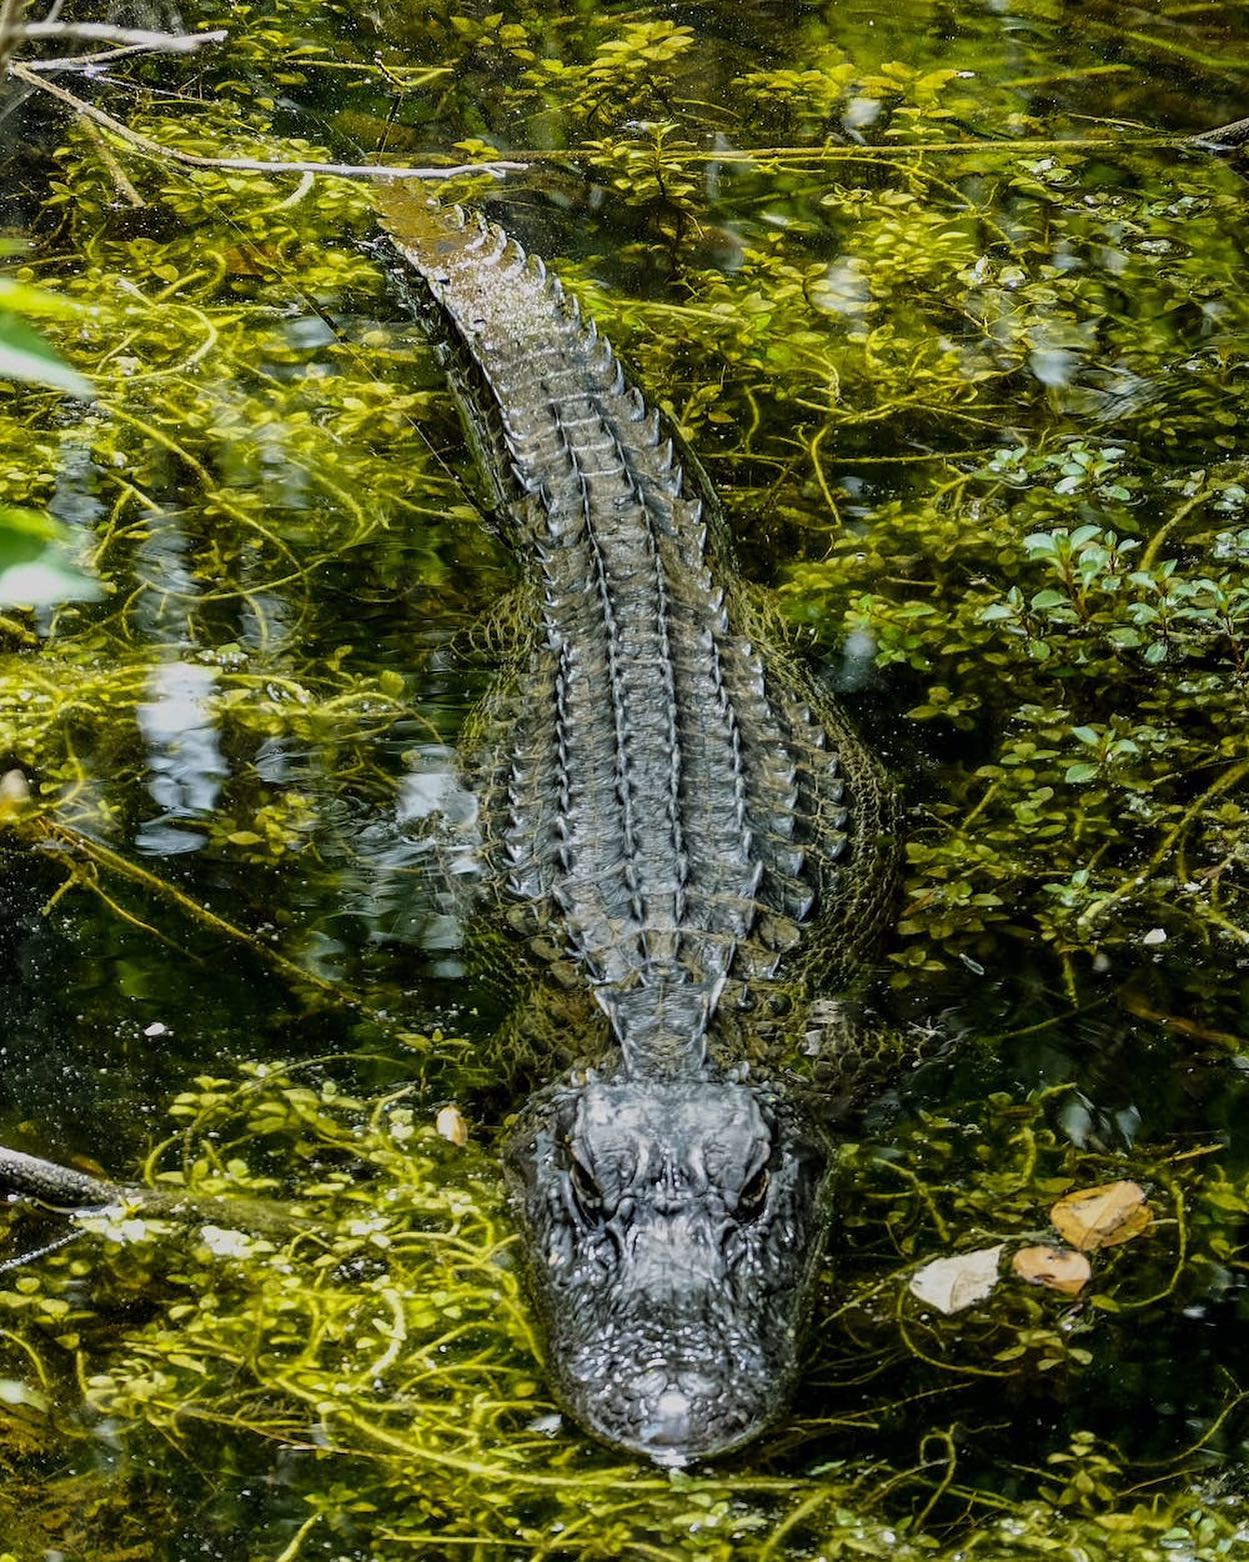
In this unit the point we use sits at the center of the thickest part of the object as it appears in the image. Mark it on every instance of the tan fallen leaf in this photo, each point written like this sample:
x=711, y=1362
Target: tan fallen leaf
x=1056, y=1268
x=451, y=1125
x=950, y=1284
x=1103, y=1216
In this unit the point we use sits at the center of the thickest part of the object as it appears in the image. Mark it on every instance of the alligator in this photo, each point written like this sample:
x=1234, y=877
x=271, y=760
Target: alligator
x=689, y=818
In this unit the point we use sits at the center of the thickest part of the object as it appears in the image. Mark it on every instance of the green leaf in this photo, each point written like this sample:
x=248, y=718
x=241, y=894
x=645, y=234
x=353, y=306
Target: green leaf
x=1079, y=773
x=20, y=298
x=23, y=535
x=26, y=356
x=35, y=570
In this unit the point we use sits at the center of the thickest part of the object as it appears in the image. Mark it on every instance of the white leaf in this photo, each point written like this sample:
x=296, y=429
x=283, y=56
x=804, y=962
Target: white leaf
x=451, y=1125
x=950, y=1284
x=223, y=1243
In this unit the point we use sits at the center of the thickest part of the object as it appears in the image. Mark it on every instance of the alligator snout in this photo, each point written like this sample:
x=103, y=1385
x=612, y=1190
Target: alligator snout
x=672, y=1233
x=671, y=1256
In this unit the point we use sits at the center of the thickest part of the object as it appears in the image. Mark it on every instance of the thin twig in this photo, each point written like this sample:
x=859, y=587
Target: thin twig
x=59, y=1187
x=87, y=62
x=10, y=28
x=67, y=1189
x=117, y=172
x=1227, y=138
x=254, y=165
x=101, y=32
x=53, y=833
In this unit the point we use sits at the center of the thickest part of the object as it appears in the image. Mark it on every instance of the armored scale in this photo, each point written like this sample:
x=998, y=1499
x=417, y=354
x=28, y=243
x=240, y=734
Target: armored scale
x=691, y=822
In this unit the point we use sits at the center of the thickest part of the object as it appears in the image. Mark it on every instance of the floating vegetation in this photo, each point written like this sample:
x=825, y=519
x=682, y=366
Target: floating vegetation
x=338, y=1287
x=958, y=326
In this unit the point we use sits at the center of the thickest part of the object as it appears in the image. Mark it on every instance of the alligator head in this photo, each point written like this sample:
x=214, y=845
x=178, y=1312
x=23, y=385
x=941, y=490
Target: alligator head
x=672, y=1231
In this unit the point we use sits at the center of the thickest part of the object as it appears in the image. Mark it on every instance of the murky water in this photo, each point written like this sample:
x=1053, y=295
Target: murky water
x=922, y=284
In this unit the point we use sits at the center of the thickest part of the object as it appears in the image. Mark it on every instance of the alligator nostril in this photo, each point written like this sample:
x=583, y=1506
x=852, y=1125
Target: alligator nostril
x=697, y=1385
x=651, y=1384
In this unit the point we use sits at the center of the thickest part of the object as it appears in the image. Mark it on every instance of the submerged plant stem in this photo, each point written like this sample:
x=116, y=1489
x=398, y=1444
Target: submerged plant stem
x=1230, y=778
x=53, y=833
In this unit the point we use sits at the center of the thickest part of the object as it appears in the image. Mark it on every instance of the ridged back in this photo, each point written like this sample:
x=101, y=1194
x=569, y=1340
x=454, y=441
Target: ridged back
x=669, y=795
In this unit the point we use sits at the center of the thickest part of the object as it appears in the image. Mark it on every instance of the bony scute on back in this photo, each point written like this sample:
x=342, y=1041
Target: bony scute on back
x=689, y=822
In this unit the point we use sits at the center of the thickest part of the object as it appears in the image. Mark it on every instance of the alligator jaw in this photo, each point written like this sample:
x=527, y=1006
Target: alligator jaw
x=672, y=1233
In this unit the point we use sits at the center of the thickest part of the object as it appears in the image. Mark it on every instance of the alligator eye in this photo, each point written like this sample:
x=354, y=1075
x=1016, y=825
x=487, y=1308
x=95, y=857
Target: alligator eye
x=585, y=1189
x=751, y=1199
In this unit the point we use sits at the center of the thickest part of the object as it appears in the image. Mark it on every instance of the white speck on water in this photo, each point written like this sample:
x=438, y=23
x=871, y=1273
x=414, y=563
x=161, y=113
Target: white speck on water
x=861, y=113
x=225, y=1244
x=1053, y=365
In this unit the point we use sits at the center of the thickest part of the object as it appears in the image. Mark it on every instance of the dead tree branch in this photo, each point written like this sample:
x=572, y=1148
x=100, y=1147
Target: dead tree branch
x=127, y=37
x=148, y=147
x=10, y=28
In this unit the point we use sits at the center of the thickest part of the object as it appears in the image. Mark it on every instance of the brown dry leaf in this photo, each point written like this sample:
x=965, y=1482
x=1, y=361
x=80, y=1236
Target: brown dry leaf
x=451, y=1125
x=1102, y=1217
x=1057, y=1268
x=950, y=1284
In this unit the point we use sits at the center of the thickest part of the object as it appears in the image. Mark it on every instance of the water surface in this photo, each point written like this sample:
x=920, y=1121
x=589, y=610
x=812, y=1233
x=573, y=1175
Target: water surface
x=957, y=323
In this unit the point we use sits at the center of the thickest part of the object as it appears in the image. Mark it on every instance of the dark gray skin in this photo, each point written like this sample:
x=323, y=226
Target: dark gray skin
x=672, y=1235
x=673, y=814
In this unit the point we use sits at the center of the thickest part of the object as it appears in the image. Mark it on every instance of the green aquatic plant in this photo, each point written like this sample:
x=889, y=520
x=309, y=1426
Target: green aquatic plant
x=339, y=1283
x=24, y=355
x=34, y=567
x=977, y=411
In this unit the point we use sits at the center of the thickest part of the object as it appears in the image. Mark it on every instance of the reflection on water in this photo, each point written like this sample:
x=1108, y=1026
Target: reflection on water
x=186, y=769
x=413, y=878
